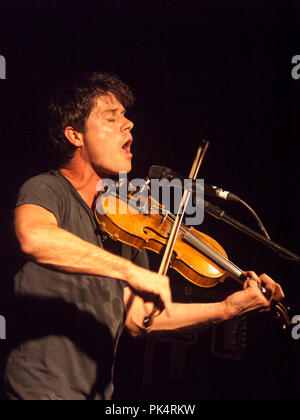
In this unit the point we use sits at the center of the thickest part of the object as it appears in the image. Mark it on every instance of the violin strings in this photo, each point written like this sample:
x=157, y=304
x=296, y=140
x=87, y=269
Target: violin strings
x=183, y=228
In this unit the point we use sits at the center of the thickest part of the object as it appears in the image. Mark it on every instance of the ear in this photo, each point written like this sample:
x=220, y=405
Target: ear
x=74, y=136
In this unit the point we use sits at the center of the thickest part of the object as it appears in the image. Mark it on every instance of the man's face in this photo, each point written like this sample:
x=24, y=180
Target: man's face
x=107, y=139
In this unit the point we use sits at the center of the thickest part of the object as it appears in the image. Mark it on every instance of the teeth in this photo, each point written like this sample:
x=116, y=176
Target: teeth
x=126, y=145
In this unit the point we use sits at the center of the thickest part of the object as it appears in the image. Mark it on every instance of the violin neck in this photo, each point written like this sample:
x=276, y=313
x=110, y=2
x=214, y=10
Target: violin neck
x=214, y=256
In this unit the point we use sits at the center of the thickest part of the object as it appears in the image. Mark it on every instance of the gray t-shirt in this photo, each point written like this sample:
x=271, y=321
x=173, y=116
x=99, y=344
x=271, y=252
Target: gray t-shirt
x=66, y=327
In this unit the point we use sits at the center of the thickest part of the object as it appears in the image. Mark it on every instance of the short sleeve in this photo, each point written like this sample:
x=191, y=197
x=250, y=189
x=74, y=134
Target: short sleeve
x=43, y=191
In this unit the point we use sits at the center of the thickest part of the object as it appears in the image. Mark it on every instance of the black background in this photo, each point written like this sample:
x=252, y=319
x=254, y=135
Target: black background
x=211, y=69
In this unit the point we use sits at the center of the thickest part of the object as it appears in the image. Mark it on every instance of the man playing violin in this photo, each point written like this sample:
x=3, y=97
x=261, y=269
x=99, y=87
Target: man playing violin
x=73, y=297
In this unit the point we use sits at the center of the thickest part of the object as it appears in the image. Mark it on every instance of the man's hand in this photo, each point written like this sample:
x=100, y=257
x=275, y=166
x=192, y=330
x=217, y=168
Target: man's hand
x=252, y=297
x=153, y=288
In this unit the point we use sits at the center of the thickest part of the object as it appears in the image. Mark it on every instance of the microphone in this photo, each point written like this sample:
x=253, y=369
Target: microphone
x=162, y=172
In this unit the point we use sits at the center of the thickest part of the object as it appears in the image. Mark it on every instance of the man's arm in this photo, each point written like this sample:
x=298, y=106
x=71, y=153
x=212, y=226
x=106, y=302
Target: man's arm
x=43, y=241
x=190, y=315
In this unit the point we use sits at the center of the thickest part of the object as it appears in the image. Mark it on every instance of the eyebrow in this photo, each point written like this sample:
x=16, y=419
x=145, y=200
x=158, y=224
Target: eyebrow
x=114, y=110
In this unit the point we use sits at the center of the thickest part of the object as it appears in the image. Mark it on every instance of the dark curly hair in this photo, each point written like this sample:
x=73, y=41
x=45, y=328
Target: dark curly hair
x=73, y=102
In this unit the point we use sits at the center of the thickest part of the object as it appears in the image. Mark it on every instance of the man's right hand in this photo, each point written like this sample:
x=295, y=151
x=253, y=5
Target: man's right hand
x=152, y=287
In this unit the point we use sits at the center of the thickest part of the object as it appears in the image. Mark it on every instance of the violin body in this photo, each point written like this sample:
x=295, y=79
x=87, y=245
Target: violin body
x=151, y=231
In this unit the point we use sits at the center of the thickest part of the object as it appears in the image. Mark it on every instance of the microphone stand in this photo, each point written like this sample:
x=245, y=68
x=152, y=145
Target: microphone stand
x=220, y=214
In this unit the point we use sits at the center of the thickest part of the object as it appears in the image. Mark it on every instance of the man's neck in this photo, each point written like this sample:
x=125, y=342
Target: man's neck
x=83, y=178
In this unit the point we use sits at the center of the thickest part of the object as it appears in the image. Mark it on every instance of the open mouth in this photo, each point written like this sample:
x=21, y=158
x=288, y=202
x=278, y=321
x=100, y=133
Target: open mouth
x=126, y=146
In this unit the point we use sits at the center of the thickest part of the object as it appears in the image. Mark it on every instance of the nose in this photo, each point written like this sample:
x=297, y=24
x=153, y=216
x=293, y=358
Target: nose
x=127, y=125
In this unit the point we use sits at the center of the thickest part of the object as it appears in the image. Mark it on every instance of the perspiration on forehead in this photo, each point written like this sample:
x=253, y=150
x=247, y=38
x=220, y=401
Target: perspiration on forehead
x=106, y=103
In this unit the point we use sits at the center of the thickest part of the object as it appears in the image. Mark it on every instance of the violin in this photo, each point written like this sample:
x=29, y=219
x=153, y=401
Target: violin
x=196, y=256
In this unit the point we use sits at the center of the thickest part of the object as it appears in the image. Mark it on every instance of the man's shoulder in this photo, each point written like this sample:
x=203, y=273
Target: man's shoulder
x=51, y=179
x=49, y=190
x=46, y=188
